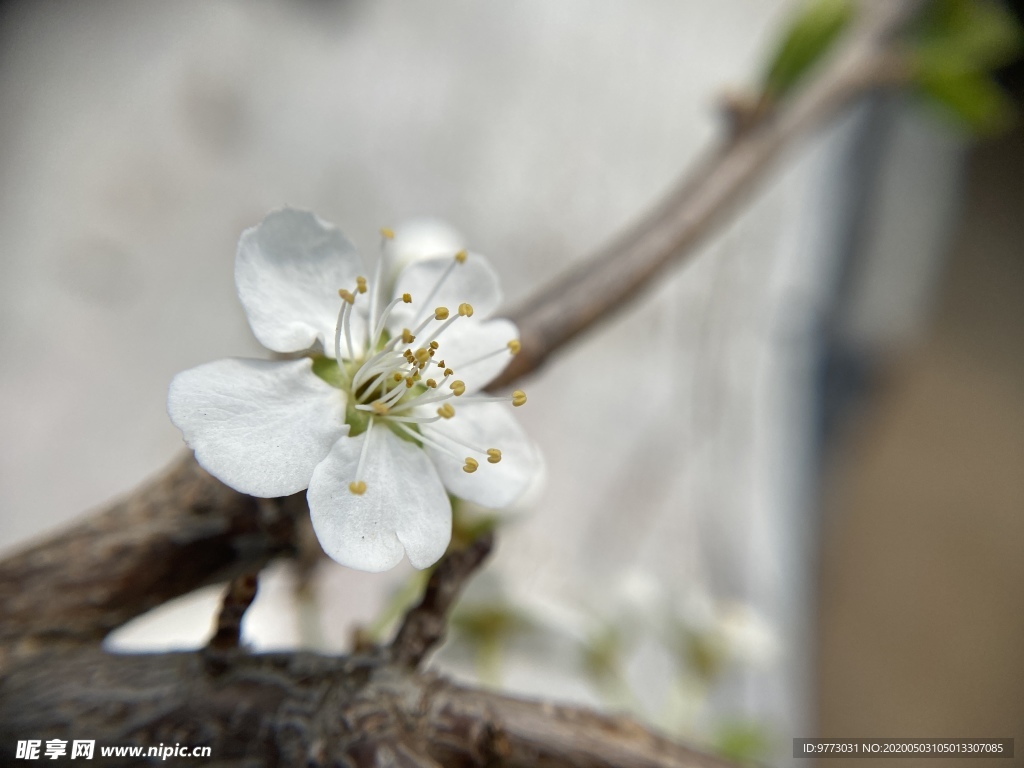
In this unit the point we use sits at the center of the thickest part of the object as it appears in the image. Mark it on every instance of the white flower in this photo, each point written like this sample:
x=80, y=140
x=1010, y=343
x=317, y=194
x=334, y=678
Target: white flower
x=380, y=421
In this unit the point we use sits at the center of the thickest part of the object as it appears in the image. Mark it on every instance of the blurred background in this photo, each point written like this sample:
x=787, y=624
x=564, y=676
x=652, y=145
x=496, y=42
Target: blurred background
x=793, y=504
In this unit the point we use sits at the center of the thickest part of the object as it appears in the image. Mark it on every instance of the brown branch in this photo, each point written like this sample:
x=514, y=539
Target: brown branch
x=180, y=532
x=239, y=596
x=598, y=287
x=424, y=626
x=303, y=709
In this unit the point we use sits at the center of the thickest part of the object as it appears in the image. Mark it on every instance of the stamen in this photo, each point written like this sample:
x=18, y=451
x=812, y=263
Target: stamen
x=460, y=258
x=357, y=486
x=466, y=310
x=470, y=466
x=407, y=298
x=459, y=387
x=387, y=234
x=518, y=398
x=360, y=284
x=407, y=337
x=347, y=326
x=375, y=299
x=493, y=455
x=441, y=313
x=512, y=348
x=379, y=408
x=378, y=327
x=446, y=411
x=431, y=383
x=424, y=440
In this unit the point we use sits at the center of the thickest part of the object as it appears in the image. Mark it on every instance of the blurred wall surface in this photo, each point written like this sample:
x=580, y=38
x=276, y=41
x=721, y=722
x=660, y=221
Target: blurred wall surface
x=921, y=620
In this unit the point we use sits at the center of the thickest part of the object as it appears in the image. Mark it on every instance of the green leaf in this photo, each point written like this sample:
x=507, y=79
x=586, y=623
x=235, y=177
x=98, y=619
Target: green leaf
x=953, y=49
x=968, y=34
x=968, y=96
x=810, y=35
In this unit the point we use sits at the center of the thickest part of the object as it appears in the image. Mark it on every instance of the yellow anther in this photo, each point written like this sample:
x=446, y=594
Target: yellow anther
x=514, y=346
x=470, y=465
x=416, y=376
x=441, y=313
x=358, y=487
x=387, y=234
x=518, y=398
x=493, y=455
x=380, y=408
x=431, y=383
x=447, y=371
x=397, y=377
x=434, y=345
x=361, y=284
x=466, y=310
x=422, y=355
x=407, y=337
x=440, y=364
x=458, y=387
x=446, y=411
x=408, y=382
x=346, y=295
x=461, y=257
x=407, y=298
x=430, y=353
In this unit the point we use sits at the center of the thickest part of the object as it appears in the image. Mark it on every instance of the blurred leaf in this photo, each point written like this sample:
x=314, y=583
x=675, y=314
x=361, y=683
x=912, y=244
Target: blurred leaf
x=602, y=654
x=969, y=34
x=954, y=48
x=810, y=35
x=971, y=97
x=743, y=743
x=485, y=623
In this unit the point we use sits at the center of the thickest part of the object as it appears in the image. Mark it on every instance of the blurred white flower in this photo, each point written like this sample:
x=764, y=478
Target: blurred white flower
x=381, y=421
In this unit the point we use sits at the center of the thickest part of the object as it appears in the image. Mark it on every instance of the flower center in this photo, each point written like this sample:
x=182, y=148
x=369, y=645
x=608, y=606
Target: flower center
x=402, y=381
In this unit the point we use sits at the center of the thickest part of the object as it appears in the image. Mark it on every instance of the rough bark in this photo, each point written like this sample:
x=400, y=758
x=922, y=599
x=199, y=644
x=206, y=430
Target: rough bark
x=300, y=709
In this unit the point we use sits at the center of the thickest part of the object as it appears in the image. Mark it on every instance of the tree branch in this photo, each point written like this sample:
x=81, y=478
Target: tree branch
x=180, y=532
x=600, y=286
x=424, y=626
x=304, y=709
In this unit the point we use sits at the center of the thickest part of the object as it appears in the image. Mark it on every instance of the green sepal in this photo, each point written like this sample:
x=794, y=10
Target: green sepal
x=328, y=369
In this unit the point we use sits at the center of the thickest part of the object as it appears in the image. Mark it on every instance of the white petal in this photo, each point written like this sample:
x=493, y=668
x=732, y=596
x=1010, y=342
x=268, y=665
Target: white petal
x=288, y=270
x=404, y=506
x=418, y=239
x=469, y=340
x=259, y=426
x=472, y=282
x=485, y=425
